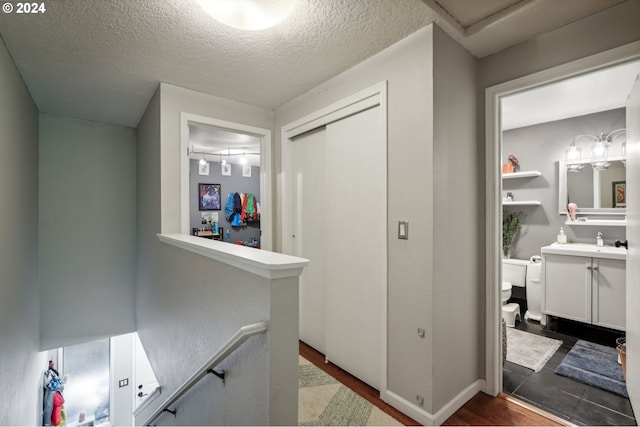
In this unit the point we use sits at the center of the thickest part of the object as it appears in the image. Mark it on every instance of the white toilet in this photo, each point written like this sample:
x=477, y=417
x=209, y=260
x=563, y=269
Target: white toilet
x=526, y=274
x=514, y=273
x=510, y=311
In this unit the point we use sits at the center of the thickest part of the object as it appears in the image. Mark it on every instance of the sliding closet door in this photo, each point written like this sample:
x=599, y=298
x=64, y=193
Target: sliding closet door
x=311, y=232
x=355, y=213
x=340, y=226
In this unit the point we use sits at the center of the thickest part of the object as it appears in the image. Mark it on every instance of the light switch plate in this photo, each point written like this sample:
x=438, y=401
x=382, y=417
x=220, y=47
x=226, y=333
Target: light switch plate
x=403, y=230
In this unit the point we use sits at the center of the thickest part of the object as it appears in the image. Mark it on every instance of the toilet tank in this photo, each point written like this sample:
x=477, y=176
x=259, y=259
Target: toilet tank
x=515, y=271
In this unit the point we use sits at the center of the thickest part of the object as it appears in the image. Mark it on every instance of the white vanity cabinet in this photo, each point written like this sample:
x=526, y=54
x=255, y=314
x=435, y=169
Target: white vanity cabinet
x=567, y=286
x=609, y=287
x=584, y=284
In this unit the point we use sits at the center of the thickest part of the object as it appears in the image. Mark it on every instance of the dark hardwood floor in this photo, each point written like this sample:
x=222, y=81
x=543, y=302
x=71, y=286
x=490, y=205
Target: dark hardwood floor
x=482, y=409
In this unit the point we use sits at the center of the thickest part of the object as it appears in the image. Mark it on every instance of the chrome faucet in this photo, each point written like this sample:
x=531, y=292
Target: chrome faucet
x=599, y=240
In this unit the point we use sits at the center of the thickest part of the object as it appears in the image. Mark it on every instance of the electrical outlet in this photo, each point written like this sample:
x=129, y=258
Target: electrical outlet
x=123, y=383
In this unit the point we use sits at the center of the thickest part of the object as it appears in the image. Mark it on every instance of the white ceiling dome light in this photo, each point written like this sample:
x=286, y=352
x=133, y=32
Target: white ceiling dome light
x=248, y=14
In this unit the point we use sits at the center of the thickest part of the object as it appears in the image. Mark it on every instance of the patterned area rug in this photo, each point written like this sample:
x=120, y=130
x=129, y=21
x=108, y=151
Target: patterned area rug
x=323, y=401
x=530, y=350
x=596, y=365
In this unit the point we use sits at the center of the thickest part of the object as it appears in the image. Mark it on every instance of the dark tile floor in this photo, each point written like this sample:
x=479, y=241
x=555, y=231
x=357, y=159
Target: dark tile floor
x=571, y=400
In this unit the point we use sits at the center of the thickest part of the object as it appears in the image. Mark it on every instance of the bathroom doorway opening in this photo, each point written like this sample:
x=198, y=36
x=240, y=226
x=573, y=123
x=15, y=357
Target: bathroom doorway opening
x=221, y=160
x=497, y=129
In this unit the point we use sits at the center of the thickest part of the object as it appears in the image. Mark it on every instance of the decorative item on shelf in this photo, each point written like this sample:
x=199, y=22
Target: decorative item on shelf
x=510, y=226
x=514, y=162
x=508, y=197
x=507, y=168
x=571, y=207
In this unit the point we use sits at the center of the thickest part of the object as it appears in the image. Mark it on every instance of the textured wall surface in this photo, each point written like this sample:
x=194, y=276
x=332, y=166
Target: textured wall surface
x=20, y=363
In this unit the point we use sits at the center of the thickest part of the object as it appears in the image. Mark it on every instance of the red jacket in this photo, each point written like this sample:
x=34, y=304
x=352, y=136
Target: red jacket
x=56, y=415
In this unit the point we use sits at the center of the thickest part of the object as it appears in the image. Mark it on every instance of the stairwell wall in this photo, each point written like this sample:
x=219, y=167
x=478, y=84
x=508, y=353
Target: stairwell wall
x=21, y=364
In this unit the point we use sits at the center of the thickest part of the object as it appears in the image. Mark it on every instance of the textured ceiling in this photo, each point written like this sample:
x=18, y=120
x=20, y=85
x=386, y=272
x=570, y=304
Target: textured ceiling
x=103, y=59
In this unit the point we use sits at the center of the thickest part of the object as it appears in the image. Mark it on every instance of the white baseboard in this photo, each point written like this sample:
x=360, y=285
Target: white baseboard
x=456, y=403
x=425, y=418
x=408, y=408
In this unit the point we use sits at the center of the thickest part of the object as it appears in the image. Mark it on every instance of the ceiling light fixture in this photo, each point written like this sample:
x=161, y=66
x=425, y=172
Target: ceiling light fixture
x=250, y=15
x=203, y=160
x=243, y=159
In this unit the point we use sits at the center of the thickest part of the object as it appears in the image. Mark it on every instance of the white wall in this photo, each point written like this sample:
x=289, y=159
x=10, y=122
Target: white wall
x=21, y=365
x=187, y=306
x=87, y=230
x=458, y=241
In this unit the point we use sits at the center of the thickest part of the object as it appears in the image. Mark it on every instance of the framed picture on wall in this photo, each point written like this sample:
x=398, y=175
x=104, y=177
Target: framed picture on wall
x=203, y=169
x=209, y=197
x=246, y=171
x=619, y=194
x=225, y=169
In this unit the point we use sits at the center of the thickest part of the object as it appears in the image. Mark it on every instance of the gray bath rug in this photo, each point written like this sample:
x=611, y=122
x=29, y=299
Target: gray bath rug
x=530, y=350
x=596, y=365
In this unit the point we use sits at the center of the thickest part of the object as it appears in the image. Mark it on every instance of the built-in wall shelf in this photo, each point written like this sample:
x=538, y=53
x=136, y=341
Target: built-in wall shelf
x=522, y=203
x=600, y=222
x=523, y=174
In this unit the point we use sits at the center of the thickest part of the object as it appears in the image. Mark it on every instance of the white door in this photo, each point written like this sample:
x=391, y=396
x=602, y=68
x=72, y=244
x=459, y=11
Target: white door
x=340, y=226
x=633, y=254
x=311, y=232
x=356, y=273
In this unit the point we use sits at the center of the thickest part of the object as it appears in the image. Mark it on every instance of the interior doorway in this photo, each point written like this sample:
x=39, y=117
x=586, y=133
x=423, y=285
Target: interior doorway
x=496, y=194
x=222, y=159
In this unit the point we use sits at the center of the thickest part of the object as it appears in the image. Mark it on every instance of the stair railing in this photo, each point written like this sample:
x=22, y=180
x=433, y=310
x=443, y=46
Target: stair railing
x=236, y=340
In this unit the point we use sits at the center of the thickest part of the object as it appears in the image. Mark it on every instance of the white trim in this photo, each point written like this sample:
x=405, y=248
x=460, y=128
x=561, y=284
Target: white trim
x=409, y=409
x=270, y=265
x=375, y=95
x=493, y=94
x=457, y=402
x=266, y=210
x=449, y=408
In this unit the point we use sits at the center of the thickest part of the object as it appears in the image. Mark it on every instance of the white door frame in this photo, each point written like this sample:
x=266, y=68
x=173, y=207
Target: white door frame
x=493, y=155
x=375, y=95
x=266, y=210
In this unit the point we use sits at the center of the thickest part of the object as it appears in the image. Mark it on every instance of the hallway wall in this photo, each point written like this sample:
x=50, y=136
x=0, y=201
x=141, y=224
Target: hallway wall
x=188, y=305
x=421, y=146
x=21, y=365
x=87, y=229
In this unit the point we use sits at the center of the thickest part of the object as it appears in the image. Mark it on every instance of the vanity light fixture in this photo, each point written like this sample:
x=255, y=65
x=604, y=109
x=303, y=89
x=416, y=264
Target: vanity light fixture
x=203, y=160
x=249, y=15
x=243, y=159
x=573, y=155
x=599, y=151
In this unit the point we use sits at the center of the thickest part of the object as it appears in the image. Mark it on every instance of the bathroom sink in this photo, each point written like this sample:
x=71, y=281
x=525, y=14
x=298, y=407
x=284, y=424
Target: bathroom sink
x=586, y=249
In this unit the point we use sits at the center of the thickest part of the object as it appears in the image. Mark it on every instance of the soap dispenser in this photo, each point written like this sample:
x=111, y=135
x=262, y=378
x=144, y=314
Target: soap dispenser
x=561, y=238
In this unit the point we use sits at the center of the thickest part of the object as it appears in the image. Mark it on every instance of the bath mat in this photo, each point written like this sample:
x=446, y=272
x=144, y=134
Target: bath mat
x=596, y=365
x=530, y=350
x=323, y=401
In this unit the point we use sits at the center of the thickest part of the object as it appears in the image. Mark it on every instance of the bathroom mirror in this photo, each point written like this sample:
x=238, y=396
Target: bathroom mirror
x=591, y=190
